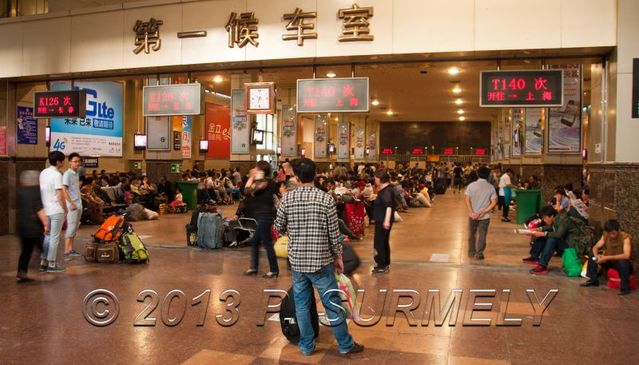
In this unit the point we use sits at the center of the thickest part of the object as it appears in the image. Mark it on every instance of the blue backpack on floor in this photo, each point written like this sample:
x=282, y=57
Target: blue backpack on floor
x=210, y=230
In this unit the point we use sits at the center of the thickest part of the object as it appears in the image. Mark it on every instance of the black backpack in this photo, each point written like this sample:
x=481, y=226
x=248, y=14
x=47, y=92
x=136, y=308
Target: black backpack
x=288, y=320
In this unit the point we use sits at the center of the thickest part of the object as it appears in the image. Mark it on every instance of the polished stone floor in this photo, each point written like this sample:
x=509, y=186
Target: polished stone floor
x=43, y=321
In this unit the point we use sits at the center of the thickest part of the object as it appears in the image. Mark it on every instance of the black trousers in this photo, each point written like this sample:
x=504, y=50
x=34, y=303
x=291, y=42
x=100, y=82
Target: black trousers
x=624, y=267
x=381, y=244
x=28, y=244
x=505, y=206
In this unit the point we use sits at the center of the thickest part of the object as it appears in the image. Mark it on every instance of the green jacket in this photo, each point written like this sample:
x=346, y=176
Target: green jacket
x=565, y=229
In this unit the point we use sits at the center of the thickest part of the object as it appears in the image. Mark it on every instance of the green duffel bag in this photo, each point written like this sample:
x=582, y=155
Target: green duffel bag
x=133, y=249
x=572, y=264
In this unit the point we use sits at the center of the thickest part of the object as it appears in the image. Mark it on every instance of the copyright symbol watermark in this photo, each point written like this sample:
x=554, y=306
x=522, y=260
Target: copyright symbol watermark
x=101, y=307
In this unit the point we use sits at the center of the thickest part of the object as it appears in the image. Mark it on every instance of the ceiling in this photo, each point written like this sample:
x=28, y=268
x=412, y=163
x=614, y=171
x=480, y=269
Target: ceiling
x=413, y=91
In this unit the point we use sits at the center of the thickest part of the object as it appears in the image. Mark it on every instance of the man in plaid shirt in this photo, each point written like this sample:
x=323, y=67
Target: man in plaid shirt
x=309, y=217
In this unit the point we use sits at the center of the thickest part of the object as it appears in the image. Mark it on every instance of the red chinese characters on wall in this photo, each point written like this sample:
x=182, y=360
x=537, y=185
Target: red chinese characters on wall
x=218, y=131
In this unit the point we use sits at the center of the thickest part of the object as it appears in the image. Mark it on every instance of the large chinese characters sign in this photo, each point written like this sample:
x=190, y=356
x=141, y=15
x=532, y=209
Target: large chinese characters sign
x=62, y=104
x=529, y=88
x=339, y=95
x=183, y=99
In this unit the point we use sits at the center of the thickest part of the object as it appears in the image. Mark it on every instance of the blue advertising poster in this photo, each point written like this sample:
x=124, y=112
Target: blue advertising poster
x=100, y=132
x=26, y=126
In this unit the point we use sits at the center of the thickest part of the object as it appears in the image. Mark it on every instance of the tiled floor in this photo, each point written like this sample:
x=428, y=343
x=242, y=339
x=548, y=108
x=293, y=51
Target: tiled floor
x=42, y=322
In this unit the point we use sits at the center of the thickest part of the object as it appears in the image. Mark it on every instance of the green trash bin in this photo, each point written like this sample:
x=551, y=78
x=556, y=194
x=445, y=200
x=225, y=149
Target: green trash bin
x=528, y=203
x=189, y=193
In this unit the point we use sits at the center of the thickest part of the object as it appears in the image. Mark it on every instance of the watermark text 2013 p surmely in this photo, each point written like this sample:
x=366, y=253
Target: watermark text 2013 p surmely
x=472, y=307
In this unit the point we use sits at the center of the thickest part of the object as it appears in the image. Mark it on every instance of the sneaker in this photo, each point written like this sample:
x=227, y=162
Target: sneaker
x=624, y=292
x=591, y=283
x=310, y=352
x=505, y=219
x=75, y=253
x=43, y=268
x=539, y=270
x=479, y=256
x=529, y=260
x=67, y=257
x=355, y=349
x=55, y=269
x=380, y=270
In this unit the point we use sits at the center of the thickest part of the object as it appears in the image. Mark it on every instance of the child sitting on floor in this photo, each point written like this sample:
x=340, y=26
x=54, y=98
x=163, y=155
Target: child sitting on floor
x=178, y=202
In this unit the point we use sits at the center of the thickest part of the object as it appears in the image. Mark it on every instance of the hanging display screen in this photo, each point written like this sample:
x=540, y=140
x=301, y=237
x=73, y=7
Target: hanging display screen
x=521, y=88
x=336, y=95
x=60, y=104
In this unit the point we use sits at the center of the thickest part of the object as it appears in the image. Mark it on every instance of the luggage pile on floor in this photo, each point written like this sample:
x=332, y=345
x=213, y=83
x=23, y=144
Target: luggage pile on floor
x=114, y=242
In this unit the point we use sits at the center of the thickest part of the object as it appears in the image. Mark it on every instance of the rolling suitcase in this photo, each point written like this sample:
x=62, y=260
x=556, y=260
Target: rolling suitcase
x=210, y=230
x=288, y=319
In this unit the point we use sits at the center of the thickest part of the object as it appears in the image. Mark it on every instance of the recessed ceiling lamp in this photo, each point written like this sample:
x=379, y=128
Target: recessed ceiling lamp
x=389, y=112
x=336, y=119
x=457, y=89
x=458, y=101
x=462, y=118
x=460, y=111
x=331, y=74
x=218, y=79
x=375, y=102
x=453, y=71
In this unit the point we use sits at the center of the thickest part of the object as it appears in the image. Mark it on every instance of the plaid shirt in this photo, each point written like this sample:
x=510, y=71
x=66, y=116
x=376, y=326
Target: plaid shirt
x=311, y=218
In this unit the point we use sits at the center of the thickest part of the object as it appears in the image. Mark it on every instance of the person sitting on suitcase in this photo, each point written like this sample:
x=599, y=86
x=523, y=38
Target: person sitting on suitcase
x=618, y=249
x=315, y=253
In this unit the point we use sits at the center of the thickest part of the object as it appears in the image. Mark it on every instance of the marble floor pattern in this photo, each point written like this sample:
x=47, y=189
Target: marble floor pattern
x=43, y=321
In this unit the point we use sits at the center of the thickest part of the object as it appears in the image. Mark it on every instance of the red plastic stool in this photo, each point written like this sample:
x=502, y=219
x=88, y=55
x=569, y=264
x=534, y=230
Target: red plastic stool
x=614, y=281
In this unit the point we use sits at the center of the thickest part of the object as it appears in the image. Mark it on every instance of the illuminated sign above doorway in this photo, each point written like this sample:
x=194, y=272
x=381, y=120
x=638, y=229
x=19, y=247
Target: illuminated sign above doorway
x=60, y=104
x=521, y=88
x=332, y=95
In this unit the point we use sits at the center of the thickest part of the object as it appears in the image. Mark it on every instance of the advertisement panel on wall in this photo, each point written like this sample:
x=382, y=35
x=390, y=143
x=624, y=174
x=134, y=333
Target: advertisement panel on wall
x=517, y=116
x=26, y=126
x=534, y=133
x=320, y=141
x=187, y=136
x=240, y=133
x=359, y=139
x=343, y=140
x=564, y=123
x=289, y=131
x=218, y=131
x=100, y=132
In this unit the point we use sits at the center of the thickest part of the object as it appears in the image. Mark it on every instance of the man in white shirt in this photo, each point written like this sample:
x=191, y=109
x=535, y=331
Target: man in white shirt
x=505, y=185
x=71, y=187
x=55, y=208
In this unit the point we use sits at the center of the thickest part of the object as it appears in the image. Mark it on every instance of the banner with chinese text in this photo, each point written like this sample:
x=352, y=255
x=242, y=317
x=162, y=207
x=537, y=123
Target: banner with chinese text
x=100, y=132
x=289, y=131
x=240, y=133
x=371, y=139
x=534, y=140
x=218, y=131
x=564, y=124
x=187, y=136
x=517, y=121
x=26, y=126
x=320, y=140
x=343, y=140
x=359, y=139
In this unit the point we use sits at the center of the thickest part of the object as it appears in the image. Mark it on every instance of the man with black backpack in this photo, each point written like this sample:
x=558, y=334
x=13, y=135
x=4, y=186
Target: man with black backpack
x=315, y=253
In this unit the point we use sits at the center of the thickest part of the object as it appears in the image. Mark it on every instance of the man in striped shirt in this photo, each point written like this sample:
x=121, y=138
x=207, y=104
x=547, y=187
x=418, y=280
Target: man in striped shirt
x=309, y=217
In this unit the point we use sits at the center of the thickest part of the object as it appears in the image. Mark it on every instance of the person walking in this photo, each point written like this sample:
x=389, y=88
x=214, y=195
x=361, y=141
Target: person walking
x=309, y=216
x=31, y=222
x=384, y=216
x=480, y=200
x=260, y=205
x=71, y=187
x=55, y=208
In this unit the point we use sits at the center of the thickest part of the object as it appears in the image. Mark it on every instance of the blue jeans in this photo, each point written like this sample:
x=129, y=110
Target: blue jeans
x=52, y=240
x=552, y=244
x=263, y=234
x=323, y=280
